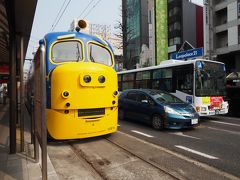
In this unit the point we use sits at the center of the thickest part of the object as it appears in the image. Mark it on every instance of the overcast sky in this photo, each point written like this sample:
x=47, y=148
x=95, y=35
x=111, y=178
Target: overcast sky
x=48, y=16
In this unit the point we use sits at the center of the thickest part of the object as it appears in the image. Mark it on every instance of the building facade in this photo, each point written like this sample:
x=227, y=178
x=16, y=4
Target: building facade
x=135, y=30
x=222, y=32
x=185, y=24
x=155, y=29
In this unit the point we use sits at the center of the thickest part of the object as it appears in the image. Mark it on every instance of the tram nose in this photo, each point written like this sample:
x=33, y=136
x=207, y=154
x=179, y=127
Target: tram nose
x=93, y=79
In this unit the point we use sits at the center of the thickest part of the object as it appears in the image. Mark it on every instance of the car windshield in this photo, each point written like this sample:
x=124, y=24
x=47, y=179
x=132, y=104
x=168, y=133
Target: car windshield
x=67, y=51
x=210, y=79
x=164, y=97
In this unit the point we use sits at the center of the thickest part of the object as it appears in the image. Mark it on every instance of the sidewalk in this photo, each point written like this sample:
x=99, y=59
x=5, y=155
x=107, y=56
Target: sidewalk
x=20, y=166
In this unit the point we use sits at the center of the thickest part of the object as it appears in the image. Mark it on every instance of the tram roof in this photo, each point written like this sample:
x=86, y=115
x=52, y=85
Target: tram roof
x=53, y=36
x=167, y=63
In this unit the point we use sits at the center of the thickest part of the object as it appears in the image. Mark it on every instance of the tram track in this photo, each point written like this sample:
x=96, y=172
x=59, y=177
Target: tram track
x=98, y=162
x=121, y=156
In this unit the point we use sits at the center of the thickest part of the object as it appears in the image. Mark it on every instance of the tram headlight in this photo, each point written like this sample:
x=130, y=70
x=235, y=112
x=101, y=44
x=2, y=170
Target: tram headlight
x=87, y=79
x=101, y=79
x=65, y=94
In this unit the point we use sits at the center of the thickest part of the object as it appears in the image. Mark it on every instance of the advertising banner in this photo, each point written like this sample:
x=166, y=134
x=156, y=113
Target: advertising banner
x=161, y=47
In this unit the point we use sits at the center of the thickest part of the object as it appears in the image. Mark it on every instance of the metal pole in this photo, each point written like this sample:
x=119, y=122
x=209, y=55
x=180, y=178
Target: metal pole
x=13, y=110
x=21, y=97
x=34, y=116
x=43, y=107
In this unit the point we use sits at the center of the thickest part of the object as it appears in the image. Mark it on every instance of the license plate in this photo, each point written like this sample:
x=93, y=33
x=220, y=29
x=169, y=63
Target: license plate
x=91, y=112
x=194, y=121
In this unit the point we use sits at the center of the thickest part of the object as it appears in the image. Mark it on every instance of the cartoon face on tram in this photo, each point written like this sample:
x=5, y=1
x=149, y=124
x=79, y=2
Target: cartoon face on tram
x=81, y=86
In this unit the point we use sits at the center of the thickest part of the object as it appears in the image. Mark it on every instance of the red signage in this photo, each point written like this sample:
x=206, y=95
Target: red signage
x=216, y=102
x=4, y=69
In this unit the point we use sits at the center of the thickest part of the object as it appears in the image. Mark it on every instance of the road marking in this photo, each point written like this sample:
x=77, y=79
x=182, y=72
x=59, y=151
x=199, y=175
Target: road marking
x=231, y=132
x=184, y=135
x=119, y=125
x=231, y=124
x=196, y=152
x=147, y=135
x=181, y=156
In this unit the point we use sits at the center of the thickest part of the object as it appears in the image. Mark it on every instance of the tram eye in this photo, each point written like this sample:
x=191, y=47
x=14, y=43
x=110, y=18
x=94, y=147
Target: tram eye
x=65, y=94
x=87, y=79
x=115, y=93
x=67, y=104
x=101, y=79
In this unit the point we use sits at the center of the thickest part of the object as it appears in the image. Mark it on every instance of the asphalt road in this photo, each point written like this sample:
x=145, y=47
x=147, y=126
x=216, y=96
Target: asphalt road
x=215, y=142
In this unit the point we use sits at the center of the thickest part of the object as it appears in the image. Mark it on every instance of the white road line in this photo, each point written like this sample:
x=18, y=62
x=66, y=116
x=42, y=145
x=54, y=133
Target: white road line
x=231, y=132
x=196, y=152
x=231, y=124
x=147, y=135
x=184, y=135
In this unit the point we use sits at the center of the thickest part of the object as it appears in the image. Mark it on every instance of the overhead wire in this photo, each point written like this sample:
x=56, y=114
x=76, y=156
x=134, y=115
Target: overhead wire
x=61, y=15
x=58, y=14
x=86, y=8
x=92, y=8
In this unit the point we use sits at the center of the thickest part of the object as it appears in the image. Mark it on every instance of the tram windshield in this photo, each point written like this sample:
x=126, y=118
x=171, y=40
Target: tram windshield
x=100, y=55
x=210, y=79
x=67, y=52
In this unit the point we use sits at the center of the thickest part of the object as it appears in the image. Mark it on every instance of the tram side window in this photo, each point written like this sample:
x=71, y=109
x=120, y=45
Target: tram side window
x=143, y=79
x=128, y=81
x=162, y=79
x=184, y=80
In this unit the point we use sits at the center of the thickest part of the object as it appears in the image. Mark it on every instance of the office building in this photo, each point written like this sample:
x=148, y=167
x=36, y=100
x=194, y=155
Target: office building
x=222, y=32
x=154, y=29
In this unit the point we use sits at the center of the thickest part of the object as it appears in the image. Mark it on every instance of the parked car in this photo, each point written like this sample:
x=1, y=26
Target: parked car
x=157, y=108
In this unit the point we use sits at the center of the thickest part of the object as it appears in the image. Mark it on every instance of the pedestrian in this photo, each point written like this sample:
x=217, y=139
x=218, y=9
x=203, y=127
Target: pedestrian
x=4, y=95
x=1, y=92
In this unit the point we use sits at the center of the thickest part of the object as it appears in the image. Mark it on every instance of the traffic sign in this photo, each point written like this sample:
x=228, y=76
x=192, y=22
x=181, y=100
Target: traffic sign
x=192, y=53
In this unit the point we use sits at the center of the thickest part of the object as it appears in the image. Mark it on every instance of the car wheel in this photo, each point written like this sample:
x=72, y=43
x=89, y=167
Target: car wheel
x=120, y=114
x=157, y=122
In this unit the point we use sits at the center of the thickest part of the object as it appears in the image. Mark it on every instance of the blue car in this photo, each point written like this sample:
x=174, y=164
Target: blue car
x=157, y=108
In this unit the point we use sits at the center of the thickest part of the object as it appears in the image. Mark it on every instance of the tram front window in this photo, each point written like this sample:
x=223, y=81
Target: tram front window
x=67, y=52
x=100, y=55
x=210, y=79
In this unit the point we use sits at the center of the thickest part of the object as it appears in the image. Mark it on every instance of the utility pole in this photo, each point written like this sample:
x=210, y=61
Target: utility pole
x=208, y=29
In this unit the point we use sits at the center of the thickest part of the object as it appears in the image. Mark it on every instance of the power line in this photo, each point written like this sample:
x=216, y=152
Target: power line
x=61, y=14
x=92, y=8
x=58, y=14
x=85, y=8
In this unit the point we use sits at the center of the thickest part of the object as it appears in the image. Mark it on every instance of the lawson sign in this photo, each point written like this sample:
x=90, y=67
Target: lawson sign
x=192, y=53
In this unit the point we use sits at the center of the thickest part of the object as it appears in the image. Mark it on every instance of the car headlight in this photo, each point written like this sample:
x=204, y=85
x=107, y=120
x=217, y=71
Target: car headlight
x=170, y=110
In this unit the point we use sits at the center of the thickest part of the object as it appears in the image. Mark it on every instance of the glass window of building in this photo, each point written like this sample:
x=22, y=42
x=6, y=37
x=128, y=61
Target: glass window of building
x=150, y=17
x=177, y=40
x=177, y=26
x=171, y=42
x=170, y=13
x=176, y=10
x=171, y=27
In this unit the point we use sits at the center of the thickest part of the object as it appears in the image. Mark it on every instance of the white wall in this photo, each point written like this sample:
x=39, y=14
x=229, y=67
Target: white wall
x=232, y=36
x=232, y=11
